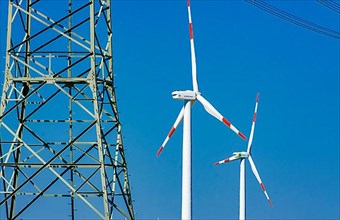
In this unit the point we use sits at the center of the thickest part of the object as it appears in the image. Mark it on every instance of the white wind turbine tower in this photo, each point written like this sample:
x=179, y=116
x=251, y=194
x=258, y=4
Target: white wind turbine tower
x=242, y=156
x=189, y=97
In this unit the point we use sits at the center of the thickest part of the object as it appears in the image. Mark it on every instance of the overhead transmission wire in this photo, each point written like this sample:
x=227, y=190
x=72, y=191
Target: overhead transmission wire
x=331, y=5
x=294, y=19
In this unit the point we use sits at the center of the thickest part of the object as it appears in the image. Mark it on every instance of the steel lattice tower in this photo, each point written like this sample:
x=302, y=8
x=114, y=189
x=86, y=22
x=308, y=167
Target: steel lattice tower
x=61, y=150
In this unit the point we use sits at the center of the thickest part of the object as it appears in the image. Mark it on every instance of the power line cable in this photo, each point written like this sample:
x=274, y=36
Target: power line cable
x=294, y=19
x=290, y=17
x=336, y=5
x=331, y=5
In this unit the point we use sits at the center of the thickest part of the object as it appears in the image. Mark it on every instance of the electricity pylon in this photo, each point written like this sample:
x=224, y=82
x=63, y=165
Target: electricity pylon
x=61, y=147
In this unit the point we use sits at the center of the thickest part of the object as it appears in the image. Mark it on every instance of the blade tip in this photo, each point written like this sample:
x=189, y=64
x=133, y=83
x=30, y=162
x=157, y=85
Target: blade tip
x=270, y=203
x=242, y=136
x=159, y=151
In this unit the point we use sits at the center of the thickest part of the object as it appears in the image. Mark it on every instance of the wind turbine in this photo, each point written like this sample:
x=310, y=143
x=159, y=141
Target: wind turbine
x=189, y=97
x=242, y=156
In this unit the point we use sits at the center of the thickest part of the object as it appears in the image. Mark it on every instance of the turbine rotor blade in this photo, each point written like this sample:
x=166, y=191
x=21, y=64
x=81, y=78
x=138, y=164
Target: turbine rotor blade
x=257, y=175
x=211, y=110
x=253, y=124
x=178, y=120
x=227, y=160
x=193, y=55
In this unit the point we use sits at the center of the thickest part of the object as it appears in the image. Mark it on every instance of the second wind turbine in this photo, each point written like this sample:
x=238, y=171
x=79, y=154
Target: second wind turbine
x=189, y=97
x=242, y=156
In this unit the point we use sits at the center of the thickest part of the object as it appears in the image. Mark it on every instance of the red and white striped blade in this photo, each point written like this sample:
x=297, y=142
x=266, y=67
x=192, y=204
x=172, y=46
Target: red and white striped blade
x=253, y=124
x=178, y=120
x=227, y=160
x=193, y=55
x=257, y=175
x=211, y=110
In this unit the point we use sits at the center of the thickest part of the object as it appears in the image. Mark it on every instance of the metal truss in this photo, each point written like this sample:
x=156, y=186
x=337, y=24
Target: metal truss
x=61, y=147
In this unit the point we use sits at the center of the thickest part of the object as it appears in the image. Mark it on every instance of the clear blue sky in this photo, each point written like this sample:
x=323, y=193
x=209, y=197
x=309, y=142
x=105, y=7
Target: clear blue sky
x=240, y=50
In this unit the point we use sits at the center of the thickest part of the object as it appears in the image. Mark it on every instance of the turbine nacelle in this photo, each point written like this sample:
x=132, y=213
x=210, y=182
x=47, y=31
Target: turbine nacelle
x=184, y=95
x=240, y=155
